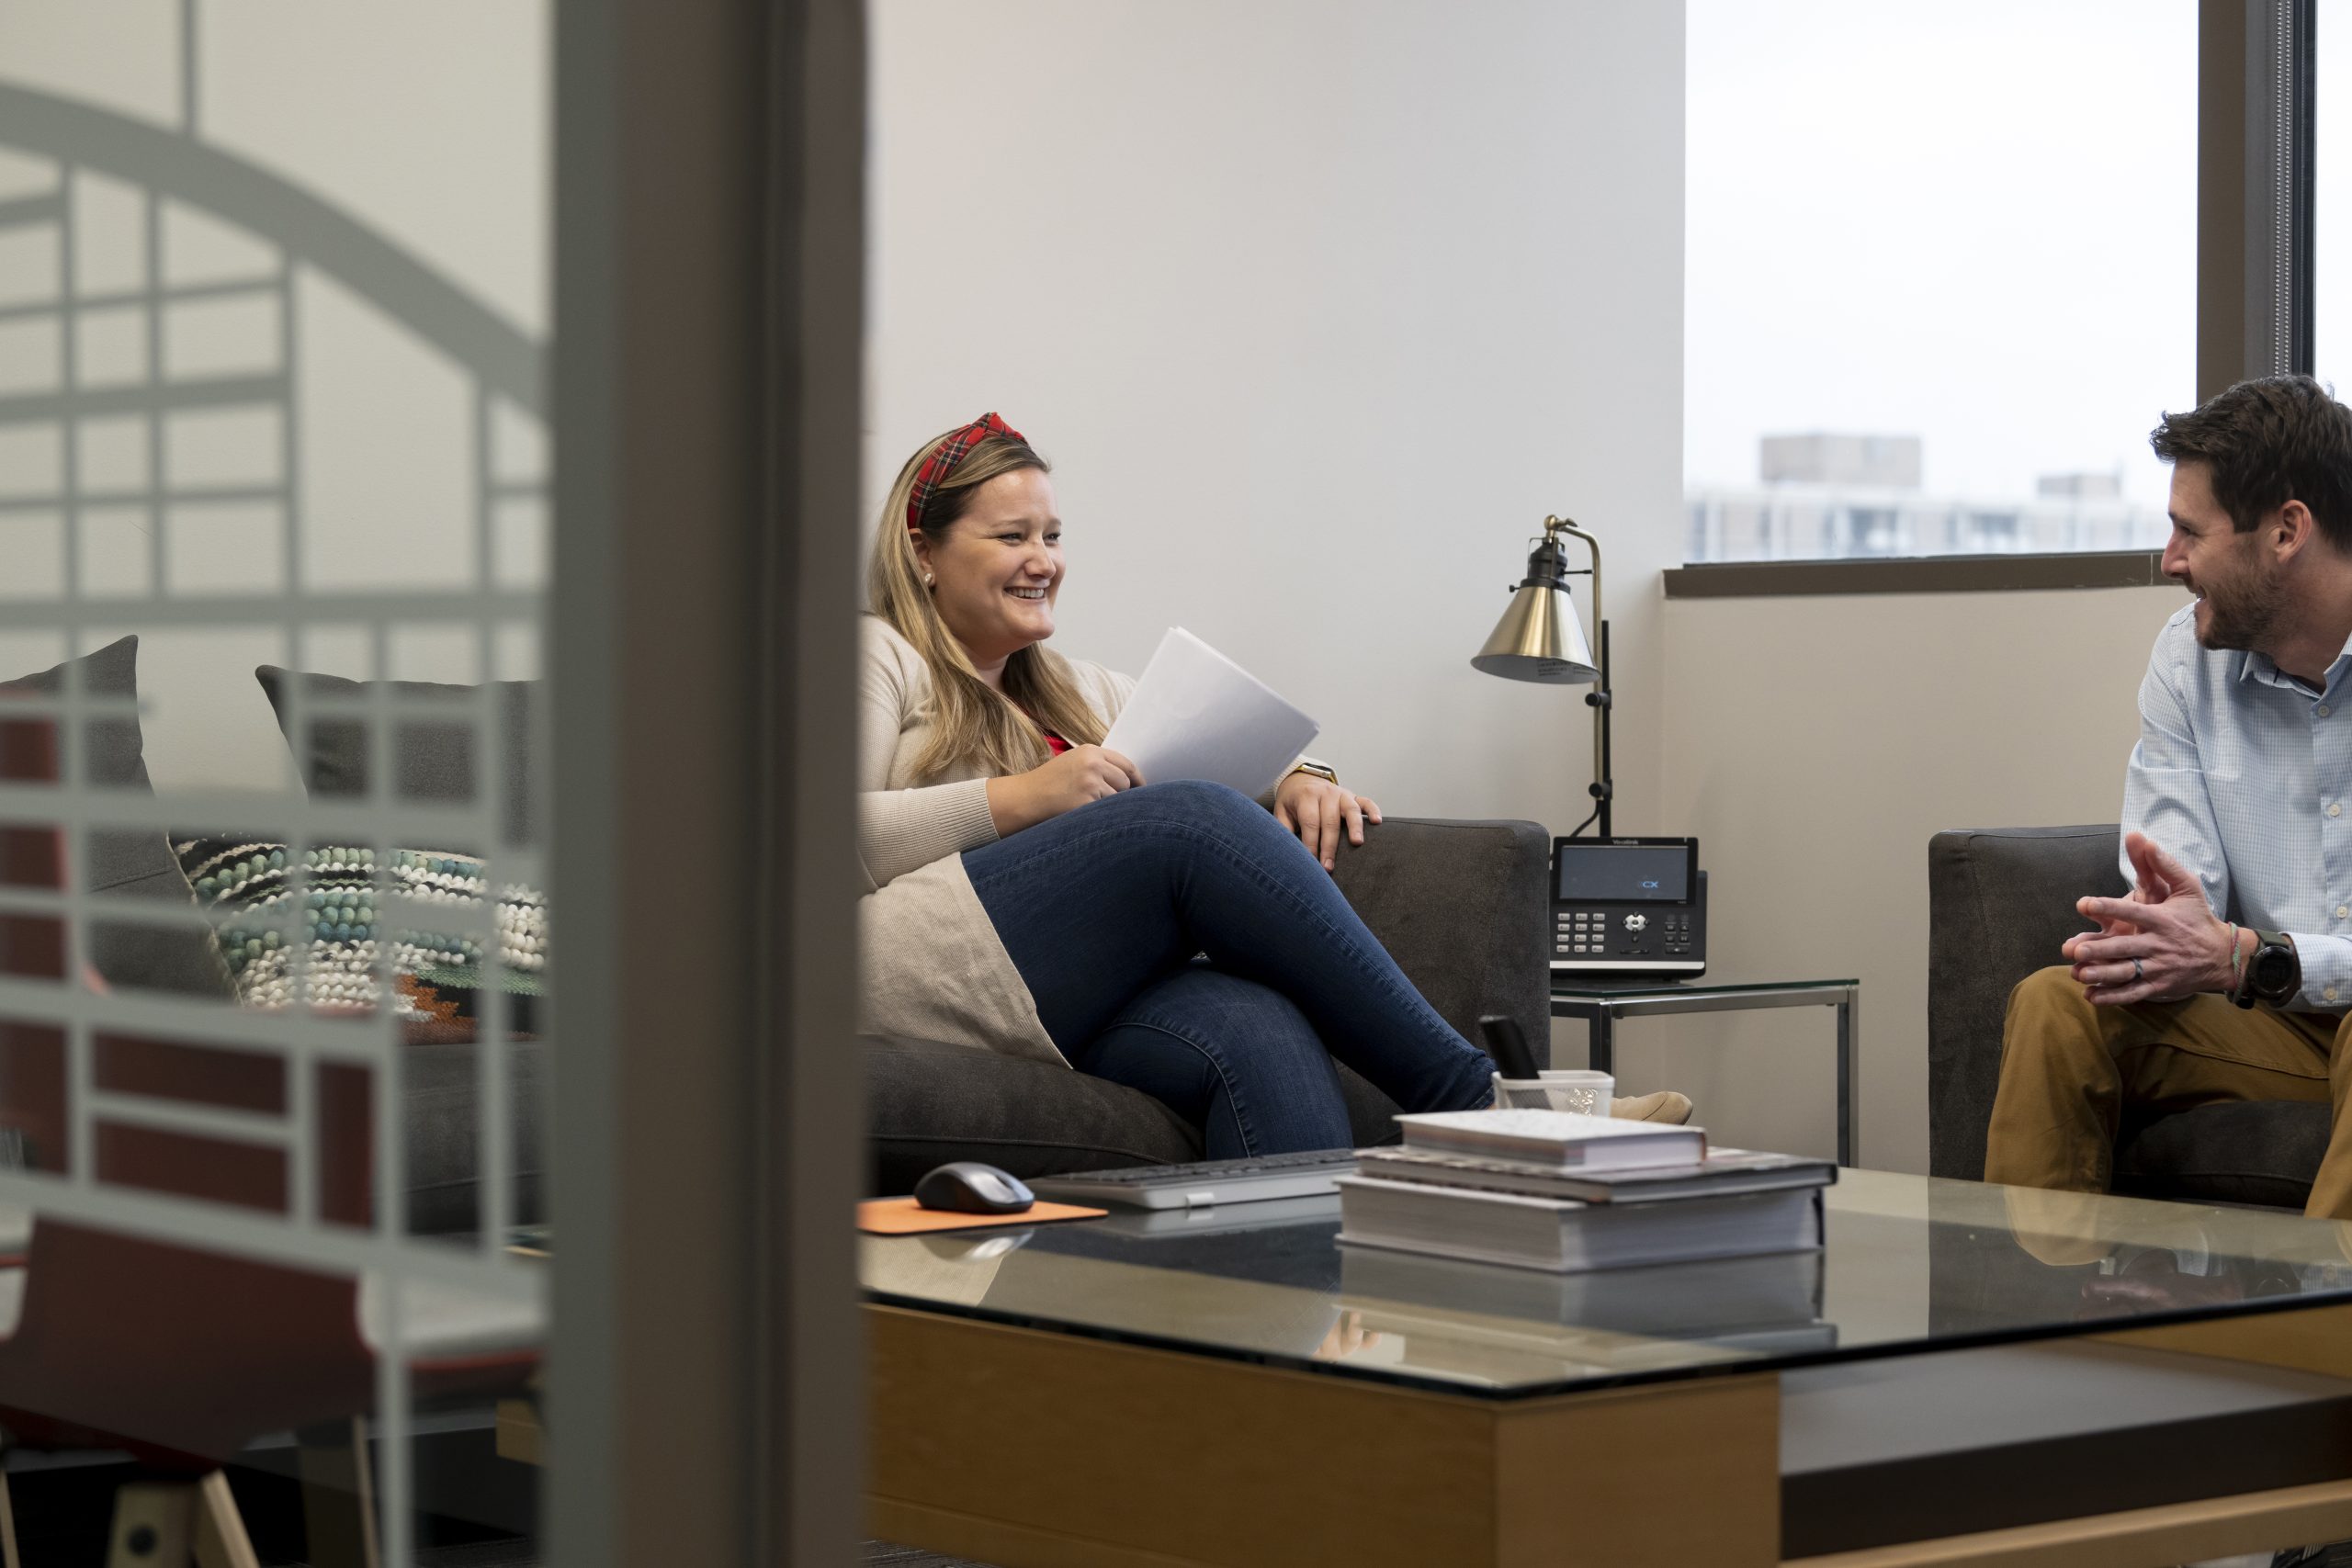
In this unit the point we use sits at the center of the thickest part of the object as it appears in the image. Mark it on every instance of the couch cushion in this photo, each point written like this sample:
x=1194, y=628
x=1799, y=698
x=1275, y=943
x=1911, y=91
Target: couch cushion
x=441, y=1087
x=433, y=757
x=128, y=862
x=930, y=1103
x=2255, y=1151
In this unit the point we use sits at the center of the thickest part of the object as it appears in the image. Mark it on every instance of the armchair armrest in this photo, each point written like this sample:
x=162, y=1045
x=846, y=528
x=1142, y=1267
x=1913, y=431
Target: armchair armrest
x=1461, y=907
x=2000, y=901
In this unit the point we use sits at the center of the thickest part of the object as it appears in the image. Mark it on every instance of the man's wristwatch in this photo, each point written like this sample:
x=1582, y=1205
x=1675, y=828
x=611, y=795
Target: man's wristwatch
x=1317, y=769
x=2273, y=974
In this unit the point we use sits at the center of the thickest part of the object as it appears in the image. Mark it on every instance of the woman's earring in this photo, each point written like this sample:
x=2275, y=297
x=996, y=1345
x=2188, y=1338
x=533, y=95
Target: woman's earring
x=929, y=580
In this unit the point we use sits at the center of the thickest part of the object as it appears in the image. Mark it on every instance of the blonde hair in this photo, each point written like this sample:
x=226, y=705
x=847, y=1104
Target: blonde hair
x=974, y=724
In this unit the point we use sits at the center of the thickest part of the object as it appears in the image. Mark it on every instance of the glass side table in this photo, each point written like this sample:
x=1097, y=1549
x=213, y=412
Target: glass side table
x=1600, y=1003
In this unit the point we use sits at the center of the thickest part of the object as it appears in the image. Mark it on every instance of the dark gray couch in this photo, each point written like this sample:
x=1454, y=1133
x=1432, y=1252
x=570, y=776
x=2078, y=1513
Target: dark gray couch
x=1459, y=905
x=2000, y=901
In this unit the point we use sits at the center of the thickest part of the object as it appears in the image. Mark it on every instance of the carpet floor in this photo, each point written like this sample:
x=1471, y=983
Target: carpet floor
x=525, y=1554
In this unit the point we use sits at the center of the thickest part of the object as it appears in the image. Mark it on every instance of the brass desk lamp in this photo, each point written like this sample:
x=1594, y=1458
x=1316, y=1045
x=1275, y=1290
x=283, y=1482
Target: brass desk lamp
x=1539, y=640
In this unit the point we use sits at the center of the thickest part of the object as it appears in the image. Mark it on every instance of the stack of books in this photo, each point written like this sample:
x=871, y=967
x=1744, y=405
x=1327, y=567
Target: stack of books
x=1486, y=1322
x=1548, y=1190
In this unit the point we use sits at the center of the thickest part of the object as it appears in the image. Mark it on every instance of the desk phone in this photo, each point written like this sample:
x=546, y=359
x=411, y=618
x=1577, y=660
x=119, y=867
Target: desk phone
x=1628, y=906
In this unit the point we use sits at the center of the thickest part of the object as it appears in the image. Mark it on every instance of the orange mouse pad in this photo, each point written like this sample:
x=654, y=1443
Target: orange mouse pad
x=902, y=1216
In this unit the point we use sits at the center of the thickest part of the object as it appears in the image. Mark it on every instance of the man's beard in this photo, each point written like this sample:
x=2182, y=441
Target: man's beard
x=2239, y=615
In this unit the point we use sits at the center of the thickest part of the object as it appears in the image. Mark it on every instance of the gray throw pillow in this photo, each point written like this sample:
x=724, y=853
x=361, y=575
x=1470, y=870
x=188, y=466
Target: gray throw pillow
x=432, y=758
x=124, y=862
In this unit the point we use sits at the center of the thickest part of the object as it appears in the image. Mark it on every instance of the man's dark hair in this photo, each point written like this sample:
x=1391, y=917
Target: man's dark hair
x=2267, y=442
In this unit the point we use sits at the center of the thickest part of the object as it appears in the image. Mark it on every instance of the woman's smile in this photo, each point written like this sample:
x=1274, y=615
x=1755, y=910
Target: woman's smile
x=1009, y=525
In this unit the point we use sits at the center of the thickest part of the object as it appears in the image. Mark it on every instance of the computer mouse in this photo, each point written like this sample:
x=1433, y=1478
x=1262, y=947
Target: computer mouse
x=967, y=1187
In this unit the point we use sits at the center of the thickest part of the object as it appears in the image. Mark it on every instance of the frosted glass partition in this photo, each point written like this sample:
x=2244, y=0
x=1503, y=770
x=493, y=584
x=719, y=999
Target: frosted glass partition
x=274, y=1029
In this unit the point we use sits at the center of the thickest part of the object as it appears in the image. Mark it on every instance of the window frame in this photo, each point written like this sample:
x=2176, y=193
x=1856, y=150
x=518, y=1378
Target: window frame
x=2257, y=82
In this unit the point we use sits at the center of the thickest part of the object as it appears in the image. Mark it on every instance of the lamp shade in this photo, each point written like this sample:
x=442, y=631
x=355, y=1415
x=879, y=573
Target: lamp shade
x=1539, y=640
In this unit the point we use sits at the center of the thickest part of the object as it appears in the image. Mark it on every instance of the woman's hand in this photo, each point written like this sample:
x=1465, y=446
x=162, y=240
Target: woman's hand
x=1319, y=810
x=1081, y=775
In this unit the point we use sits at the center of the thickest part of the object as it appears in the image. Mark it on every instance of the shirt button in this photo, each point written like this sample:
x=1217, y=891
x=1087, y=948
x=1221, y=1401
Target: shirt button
x=2344, y=911
x=2322, y=710
x=2335, y=809
x=2329, y=993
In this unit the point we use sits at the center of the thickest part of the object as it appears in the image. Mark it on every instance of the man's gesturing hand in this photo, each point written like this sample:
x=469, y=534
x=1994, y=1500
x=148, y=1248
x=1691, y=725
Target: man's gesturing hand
x=1081, y=775
x=2165, y=924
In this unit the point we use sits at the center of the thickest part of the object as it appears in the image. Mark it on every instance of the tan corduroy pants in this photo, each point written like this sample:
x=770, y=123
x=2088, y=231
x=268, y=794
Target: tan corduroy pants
x=2069, y=1068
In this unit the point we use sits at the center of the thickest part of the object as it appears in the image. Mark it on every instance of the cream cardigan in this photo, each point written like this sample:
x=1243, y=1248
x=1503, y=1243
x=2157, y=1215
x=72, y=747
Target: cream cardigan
x=933, y=966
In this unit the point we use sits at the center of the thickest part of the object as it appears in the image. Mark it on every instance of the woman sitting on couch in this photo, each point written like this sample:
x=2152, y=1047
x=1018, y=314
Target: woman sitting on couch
x=1031, y=892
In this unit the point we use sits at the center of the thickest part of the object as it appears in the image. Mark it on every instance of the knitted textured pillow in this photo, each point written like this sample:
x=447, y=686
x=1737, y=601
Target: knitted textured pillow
x=327, y=926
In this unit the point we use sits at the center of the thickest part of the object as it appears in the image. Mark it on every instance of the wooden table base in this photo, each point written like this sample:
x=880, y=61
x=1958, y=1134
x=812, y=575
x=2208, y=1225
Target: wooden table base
x=1030, y=1449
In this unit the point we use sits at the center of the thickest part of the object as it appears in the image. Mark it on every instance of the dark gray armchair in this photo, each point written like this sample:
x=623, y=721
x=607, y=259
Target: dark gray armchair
x=1999, y=902
x=1459, y=905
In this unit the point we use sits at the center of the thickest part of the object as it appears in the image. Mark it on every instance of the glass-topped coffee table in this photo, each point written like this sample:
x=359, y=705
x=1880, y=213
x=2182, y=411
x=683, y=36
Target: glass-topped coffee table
x=1235, y=1386
x=1600, y=1003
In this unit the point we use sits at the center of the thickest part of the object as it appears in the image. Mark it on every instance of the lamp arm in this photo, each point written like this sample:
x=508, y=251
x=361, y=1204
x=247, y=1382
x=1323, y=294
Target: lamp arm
x=1553, y=527
x=1604, y=787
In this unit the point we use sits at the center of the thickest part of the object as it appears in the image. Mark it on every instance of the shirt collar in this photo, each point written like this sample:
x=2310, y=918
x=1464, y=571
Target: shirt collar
x=2261, y=667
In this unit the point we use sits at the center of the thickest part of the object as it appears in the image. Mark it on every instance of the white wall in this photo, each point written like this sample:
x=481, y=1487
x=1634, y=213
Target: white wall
x=1318, y=306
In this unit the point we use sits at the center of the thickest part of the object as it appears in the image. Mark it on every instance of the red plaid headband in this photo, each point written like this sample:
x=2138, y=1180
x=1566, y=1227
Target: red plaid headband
x=953, y=448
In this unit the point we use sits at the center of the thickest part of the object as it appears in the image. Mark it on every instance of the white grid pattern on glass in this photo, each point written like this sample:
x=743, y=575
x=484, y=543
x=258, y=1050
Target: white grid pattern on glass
x=53, y=419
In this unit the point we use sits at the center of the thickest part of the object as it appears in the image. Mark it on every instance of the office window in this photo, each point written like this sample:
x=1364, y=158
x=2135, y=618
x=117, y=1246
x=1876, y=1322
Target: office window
x=1940, y=273
x=2332, y=199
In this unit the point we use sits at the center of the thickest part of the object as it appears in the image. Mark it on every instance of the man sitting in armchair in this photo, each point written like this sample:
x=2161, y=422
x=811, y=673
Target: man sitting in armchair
x=2227, y=973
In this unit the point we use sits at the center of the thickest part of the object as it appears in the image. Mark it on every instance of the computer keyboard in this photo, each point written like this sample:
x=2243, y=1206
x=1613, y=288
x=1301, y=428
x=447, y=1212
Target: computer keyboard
x=1306, y=1174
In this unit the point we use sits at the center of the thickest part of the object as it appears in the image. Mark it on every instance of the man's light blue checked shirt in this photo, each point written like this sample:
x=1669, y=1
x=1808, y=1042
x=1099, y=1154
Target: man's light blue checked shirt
x=2246, y=777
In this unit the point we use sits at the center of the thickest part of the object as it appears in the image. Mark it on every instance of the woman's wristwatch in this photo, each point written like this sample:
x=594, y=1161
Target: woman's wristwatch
x=1317, y=769
x=2273, y=974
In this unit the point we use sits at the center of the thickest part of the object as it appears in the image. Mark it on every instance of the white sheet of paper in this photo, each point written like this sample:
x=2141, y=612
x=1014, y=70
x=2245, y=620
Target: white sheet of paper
x=1197, y=715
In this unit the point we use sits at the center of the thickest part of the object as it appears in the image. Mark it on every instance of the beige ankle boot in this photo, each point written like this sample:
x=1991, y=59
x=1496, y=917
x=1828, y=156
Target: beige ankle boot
x=1664, y=1106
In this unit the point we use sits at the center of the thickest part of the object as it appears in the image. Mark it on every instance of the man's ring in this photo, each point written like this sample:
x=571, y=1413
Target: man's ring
x=2135, y=971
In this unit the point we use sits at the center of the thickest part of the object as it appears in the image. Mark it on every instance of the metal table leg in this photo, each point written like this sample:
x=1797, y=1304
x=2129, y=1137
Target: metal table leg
x=1601, y=1011
x=1848, y=1110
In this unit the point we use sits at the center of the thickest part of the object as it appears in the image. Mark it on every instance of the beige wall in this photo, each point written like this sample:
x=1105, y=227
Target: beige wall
x=1813, y=744
x=1318, y=308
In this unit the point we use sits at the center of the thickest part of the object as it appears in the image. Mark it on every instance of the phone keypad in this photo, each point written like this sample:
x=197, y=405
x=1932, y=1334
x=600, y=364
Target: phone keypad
x=1591, y=933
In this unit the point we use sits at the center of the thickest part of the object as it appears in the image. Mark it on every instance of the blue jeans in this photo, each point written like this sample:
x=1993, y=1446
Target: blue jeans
x=1103, y=910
